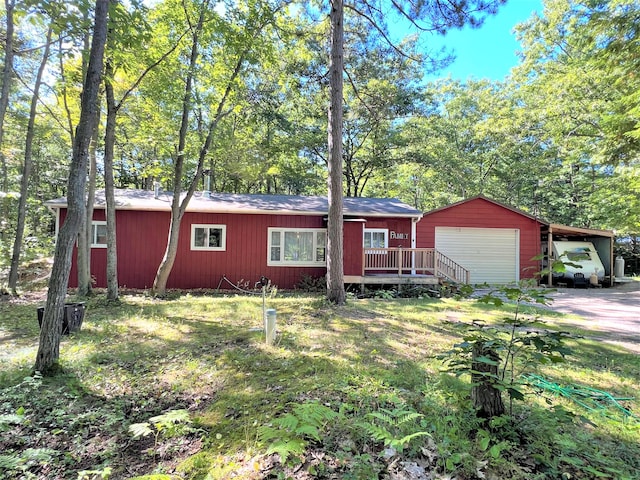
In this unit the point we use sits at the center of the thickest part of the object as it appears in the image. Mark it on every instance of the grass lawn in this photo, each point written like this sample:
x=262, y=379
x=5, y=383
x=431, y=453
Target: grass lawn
x=355, y=392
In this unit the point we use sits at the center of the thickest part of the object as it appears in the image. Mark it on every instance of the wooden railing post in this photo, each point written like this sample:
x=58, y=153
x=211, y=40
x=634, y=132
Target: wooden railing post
x=400, y=260
x=436, y=260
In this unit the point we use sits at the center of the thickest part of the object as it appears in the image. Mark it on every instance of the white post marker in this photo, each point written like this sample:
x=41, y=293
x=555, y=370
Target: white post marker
x=270, y=326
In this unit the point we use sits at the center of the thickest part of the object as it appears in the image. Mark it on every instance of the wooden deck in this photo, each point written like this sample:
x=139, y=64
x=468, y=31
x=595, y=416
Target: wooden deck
x=383, y=279
x=407, y=266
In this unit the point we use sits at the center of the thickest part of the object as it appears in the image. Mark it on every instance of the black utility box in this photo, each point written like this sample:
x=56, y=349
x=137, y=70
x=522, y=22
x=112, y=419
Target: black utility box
x=72, y=318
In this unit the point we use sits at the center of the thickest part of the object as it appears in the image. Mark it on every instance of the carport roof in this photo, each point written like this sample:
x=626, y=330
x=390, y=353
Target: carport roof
x=557, y=229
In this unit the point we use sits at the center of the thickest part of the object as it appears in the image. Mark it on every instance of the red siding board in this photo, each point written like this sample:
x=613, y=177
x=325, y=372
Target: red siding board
x=481, y=213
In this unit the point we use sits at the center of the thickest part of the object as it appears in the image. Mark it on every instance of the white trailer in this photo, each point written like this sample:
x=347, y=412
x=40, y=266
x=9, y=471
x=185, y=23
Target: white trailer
x=583, y=255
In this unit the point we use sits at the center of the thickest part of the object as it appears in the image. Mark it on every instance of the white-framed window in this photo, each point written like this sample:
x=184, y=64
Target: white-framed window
x=301, y=247
x=98, y=234
x=376, y=238
x=208, y=237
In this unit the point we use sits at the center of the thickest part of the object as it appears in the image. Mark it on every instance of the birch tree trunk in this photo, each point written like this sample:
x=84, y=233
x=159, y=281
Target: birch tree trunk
x=26, y=170
x=335, y=267
x=49, y=346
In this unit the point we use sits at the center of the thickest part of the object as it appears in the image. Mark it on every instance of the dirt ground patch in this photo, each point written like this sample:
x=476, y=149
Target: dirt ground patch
x=613, y=314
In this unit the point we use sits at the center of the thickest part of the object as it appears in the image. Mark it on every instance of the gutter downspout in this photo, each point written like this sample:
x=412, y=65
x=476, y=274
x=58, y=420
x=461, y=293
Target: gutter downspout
x=414, y=223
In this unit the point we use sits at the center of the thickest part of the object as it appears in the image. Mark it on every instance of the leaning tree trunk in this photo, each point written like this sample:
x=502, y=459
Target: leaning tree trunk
x=166, y=265
x=26, y=170
x=178, y=206
x=51, y=329
x=335, y=267
x=7, y=76
x=485, y=396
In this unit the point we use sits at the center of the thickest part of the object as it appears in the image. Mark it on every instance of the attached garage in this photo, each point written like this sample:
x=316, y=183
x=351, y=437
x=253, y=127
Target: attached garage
x=497, y=243
x=492, y=255
x=500, y=244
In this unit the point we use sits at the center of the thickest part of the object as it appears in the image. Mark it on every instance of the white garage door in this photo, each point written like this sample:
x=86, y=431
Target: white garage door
x=490, y=254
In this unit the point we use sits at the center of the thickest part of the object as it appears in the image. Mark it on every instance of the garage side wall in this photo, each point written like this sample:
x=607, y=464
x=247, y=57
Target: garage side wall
x=482, y=213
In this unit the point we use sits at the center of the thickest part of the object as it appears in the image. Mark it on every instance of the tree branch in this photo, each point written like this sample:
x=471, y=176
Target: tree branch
x=375, y=25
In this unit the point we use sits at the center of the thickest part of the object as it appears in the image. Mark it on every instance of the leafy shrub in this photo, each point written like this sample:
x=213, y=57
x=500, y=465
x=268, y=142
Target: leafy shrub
x=312, y=284
x=518, y=345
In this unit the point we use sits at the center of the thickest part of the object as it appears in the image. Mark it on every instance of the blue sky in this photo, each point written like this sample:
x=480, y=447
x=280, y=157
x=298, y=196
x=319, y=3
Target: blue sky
x=489, y=51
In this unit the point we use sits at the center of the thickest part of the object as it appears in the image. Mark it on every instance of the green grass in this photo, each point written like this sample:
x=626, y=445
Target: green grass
x=143, y=357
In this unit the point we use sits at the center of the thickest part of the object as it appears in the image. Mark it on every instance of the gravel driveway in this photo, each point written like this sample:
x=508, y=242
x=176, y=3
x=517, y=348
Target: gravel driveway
x=612, y=313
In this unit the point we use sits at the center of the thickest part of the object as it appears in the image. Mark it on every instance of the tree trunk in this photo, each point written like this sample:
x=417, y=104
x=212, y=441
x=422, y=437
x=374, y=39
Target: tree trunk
x=7, y=76
x=85, y=236
x=26, y=170
x=179, y=207
x=335, y=267
x=164, y=269
x=109, y=143
x=51, y=329
x=485, y=396
x=85, y=233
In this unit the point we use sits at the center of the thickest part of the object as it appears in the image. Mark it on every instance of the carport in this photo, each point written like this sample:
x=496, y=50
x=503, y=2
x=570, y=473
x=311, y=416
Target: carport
x=602, y=240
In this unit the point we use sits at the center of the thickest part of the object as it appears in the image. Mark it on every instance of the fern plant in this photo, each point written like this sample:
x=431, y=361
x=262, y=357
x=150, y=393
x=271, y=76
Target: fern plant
x=395, y=428
x=173, y=422
x=20, y=462
x=290, y=434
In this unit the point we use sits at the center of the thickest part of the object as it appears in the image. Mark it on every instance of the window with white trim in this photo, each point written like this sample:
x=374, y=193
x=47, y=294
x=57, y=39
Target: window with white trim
x=208, y=237
x=302, y=247
x=376, y=238
x=98, y=234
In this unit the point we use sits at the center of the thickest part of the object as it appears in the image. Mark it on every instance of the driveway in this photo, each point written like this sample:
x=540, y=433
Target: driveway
x=612, y=313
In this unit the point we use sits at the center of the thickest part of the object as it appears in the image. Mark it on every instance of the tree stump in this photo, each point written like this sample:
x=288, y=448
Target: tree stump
x=485, y=396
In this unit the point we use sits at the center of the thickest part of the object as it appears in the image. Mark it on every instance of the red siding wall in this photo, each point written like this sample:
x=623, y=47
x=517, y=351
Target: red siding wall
x=142, y=238
x=353, y=236
x=481, y=213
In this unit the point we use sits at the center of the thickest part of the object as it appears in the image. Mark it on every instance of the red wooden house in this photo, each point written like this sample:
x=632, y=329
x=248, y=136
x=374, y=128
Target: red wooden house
x=245, y=237
x=242, y=237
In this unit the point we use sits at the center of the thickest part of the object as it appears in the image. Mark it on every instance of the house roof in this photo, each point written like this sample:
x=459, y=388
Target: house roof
x=129, y=199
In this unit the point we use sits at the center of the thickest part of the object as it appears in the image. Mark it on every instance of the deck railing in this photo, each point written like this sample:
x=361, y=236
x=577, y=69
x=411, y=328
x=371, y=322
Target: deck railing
x=412, y=261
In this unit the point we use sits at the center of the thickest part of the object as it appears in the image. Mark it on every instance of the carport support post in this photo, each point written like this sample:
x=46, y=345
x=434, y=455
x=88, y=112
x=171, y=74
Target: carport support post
x=549, y=255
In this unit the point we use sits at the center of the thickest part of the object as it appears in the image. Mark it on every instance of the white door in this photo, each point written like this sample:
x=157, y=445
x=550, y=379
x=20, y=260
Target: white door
x=490, y=254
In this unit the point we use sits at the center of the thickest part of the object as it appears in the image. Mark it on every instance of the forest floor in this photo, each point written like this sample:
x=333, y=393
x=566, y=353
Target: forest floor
x=187, y=388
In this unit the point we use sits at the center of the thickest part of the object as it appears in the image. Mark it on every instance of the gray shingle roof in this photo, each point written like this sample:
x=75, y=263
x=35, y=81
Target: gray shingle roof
x=128, y=199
